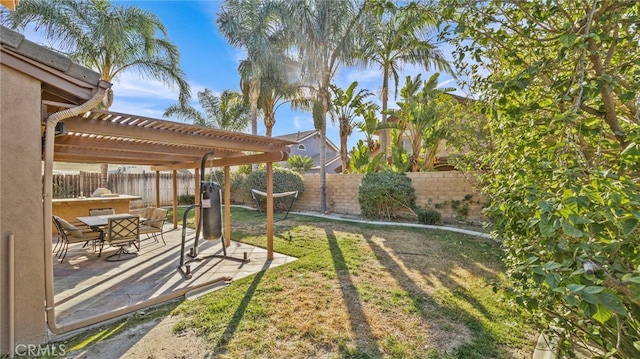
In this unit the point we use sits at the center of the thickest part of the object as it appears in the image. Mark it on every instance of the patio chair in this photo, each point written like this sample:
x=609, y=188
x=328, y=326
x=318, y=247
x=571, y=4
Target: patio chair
x=122, y=232
x=101, y=211
x=154, y=224
x=145, y=214
x=69, y=234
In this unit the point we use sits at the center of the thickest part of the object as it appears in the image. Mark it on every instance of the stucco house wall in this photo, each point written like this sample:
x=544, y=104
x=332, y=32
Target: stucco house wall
x=21, y=207
x=311, y=142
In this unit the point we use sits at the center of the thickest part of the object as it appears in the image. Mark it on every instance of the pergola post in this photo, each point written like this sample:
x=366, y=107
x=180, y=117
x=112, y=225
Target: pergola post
x=174, y=181
x=227, y=206
x=157, y=189
x=196, y=178
x=269, y=166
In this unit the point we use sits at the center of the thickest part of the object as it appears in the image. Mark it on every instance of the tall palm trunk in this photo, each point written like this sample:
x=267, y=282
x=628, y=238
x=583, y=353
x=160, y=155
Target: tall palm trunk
x=269, y=116
x=345, y=132
x=104, y=175
x=254, y=94
x=324, y=96
x=384, y=138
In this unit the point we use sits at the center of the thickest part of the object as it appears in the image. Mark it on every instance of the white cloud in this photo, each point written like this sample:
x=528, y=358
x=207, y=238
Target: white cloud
x=302, y=123
x=137, y=107
x=368, y=76
x=130, y=84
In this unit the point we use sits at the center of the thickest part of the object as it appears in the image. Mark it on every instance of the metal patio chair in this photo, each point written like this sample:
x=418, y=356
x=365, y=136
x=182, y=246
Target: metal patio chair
x=69, y=234
x=122, y=232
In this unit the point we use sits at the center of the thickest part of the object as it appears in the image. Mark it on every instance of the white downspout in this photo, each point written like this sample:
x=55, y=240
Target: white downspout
x=50, y=127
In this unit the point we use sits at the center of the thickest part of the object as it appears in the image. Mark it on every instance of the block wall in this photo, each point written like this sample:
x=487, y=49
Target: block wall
x=442, y=191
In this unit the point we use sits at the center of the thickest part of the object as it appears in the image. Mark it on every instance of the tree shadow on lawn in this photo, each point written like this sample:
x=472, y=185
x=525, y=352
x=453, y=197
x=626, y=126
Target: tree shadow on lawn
x=435, y=282
x=366, y=342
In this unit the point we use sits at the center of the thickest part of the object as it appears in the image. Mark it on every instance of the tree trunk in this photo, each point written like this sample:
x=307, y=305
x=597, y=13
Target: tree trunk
x=254, y=93
x=344, y=136
x=104, y=175
x=384, y=134
x=323, y=150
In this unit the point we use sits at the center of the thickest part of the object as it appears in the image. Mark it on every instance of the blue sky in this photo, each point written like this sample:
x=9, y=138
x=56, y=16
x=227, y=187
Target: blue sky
x=210, y=62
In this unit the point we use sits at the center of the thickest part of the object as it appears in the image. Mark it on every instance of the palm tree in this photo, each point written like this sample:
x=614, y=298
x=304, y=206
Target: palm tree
x=225, y=112
x=398, y=38
x=276, y=89
x=106, y=38
x=370, y=125
x=421, y=116
x=300, y=164
x=326, y=37
x=345, y=106
x=252, y=25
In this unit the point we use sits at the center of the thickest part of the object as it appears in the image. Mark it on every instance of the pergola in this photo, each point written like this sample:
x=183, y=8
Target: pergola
x=99, y=136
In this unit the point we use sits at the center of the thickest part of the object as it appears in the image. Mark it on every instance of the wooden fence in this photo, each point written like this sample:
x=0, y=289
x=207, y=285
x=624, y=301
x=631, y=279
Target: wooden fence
x=135, y=184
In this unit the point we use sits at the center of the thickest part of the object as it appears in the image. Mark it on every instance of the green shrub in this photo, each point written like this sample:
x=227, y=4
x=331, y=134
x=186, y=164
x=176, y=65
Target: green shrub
x=284, y=180
x=386, y=195
x=429, y=216
x=236, y=186
x=215, y=176
x=186, y=199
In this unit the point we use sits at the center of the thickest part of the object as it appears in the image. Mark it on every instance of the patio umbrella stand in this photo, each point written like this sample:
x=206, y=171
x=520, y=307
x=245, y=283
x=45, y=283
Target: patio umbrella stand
x=209, y=221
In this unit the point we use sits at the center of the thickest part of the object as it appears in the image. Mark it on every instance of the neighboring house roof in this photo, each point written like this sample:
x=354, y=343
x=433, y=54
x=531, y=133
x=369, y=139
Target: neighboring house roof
x=300, y=137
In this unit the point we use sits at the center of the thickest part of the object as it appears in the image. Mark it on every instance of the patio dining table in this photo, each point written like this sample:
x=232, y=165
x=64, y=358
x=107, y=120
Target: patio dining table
x=98, y=222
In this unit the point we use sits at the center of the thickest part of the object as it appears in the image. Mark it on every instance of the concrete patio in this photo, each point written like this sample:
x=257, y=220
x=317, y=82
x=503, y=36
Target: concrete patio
x=86, y=285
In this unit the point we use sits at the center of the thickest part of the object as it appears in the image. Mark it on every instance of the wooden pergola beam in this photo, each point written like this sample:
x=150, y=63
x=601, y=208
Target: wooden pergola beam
x=229, y=161
x=165, y=135
x=111, y=156
x=155, y=150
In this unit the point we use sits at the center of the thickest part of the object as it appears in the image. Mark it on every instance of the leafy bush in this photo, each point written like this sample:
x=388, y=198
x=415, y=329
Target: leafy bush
x=429, y=216
x=186, y=199
x=560, y=164
x=300, y=164
x=284, y=180
x=215, y=176
x=386, y=195
x=236, y=186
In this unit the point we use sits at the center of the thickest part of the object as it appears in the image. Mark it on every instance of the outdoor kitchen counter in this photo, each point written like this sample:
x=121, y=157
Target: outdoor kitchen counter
x=70, y=208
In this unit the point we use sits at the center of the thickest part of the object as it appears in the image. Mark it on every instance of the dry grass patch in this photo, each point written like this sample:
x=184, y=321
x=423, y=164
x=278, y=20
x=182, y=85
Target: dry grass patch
x=363, y=292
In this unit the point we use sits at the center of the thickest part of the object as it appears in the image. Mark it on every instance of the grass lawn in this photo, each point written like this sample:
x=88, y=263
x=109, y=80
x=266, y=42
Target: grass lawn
x=362, y=291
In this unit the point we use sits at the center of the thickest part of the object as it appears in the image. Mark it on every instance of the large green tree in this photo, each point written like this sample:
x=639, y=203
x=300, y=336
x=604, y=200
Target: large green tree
x=560, y=85
x=345, y=106
x=254, y=26
x=327, y=36
x=422, y=115
x=398, y=37
x=226, y=112
x=107, y=38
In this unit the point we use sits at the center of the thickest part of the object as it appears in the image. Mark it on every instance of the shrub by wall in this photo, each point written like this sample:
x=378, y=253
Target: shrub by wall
x=437, y=190
x=284, y=180
x=386, y=195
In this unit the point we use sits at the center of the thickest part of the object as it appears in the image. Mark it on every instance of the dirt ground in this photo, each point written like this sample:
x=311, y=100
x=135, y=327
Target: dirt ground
x=151, y=340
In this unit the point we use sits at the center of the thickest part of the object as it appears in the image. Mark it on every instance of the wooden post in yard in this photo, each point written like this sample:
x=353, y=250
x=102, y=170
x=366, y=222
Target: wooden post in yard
x=227, y=206
x=269, y=210
x=157, y=189
x=174, y=178
x=197, y=195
